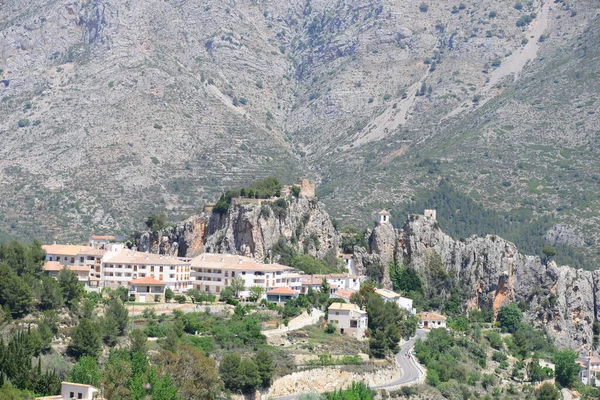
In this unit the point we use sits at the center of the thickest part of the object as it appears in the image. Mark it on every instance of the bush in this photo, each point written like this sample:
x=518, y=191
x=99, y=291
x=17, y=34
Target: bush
x=23, y=123
x=330, y=328
x=492, y=14
x=423, y=7
x=180, y=298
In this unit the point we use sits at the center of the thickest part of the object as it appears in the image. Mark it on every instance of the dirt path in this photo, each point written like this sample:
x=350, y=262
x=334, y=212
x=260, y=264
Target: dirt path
x=513, y=64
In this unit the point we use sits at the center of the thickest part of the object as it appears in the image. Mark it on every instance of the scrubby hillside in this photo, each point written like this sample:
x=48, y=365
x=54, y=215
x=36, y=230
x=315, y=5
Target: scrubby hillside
x=115, y=109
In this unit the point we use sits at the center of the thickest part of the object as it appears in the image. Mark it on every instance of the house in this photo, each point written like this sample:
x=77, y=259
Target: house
x=313, y=282
x=78, y=255
x=342, y=281
x=589, y=368
x=213, y=272
x=147, y=289
x=343, y=294
x=69, y=390
x=53, y=268
x=348, y=319
x=430, y=320
x=390, y=296
x=383, y=217
x=121, y=267
x=281, y=295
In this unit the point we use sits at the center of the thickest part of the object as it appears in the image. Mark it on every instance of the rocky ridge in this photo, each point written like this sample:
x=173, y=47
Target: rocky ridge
x=490, y=270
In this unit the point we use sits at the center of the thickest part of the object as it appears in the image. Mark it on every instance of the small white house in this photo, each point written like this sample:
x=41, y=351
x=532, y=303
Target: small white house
x=390, y=296
x=589, y=368
x=349, y=319
x=147, y=289
x=69, y=391
x=430, y=320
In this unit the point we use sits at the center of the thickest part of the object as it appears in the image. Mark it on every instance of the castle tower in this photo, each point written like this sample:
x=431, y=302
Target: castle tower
x=383, y=217
x=431, y=214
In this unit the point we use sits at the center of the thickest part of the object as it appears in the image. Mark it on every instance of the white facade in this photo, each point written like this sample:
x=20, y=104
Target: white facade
x=390, y=296
x=213, y=272
x=69, y=391
x=349, y=319
x=342, y=281
x=128, y=265
x=429, y=320
x=383, y=217
x=589, y=369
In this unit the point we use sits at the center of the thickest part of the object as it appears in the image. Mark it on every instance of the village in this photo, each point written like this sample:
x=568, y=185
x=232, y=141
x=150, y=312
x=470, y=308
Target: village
x=106, y=262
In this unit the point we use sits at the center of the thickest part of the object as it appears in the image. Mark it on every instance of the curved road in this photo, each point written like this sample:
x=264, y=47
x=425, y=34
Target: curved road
x=408, y=367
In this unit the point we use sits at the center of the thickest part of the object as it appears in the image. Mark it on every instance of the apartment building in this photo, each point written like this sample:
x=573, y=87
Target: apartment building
x=341, y=281
x=82, y=256
x=120, y=268
x=213, y=272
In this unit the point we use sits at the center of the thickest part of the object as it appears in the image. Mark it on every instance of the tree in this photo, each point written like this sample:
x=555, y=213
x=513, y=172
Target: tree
x=109, y=329
x=15, y=294
x=266, y=367
x=549, y=252
x=157, y=222
x=534, y=370
x=23, y=259
x=138, y=341
x=230, y=372
x=238, y=285
x=86, y=371
x=169, y=294
x=194, y=374
x=116, y=311
x=194, y=295
x=408, y=327
x=256, y=292
x=86, y=339
x=566, y=368
x=251, y=376
x=510, y=317
x=70, y=286
x=547, y=392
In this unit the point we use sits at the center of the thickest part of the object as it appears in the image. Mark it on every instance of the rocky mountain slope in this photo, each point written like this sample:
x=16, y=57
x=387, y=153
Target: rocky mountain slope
x=114, y=109
x=491, y=271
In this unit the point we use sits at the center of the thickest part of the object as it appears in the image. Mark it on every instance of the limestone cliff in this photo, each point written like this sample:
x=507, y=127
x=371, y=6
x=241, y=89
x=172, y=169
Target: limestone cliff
x=252, y=228
x=493, y=272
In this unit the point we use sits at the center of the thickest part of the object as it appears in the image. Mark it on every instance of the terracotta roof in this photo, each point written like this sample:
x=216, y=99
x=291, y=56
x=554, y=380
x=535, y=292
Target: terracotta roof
x=283, y=291
x=388, y=294
x=90, y=251
x=146, y=281
x=79, y=384
x=63, y=249
x=100, y=237
x=235, y=263
x=93, y=278
x=335, y=276
x=429, y=316
x=383, y=212
x=140, y=258
x=593, y=359
x=57, y=266
x=344, y=294
x=309, y=281
x=345, y=307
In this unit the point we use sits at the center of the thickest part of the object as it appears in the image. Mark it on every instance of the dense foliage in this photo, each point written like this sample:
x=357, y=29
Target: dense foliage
x=261, y=189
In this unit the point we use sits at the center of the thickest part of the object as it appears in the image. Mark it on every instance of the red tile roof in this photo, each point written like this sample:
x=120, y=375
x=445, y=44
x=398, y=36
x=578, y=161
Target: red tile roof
x=283, y=291
x=429, y=316
x=146, y=281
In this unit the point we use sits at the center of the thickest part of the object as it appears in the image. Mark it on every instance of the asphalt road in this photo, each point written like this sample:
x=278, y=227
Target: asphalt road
x=408, y=367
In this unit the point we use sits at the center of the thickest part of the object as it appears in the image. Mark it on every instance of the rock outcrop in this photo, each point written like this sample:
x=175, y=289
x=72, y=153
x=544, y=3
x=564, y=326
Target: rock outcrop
x=493, y=272
x=253, y=228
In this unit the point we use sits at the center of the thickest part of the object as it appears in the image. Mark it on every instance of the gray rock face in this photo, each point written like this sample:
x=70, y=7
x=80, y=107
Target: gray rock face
x=493, y=272
x=564, y=234
x=185, y=239
x=252, y=229
x=383, y=242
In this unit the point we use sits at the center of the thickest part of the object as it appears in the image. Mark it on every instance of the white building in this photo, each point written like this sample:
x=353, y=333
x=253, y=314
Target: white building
x=383, y=217
x=430, y=320
x=314, y=283
x=213, y=272
x=71, y=390
x=342, y=281
x=343, y=294
x=390, y=296
x=349, y=319
x=128, y=265
x=147, y=289
x=589, y=370
x=79, y=255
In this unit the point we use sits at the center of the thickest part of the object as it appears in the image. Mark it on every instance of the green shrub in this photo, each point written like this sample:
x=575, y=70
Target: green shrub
x=23, y=123
x=423, y=7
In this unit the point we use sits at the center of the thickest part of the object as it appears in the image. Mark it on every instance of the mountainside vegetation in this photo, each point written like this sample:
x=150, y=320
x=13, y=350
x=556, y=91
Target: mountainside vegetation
x=376, y=100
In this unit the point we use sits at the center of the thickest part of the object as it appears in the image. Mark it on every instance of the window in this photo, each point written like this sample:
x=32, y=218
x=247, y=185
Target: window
x=152, y=268
x=337, y=313
x=161, y=269
x=80, y=395
x=71, y=395
x=72, y=260
x=81, y=259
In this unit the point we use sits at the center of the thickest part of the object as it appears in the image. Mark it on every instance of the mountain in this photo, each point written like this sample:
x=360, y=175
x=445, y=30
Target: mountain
x=113, y=110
